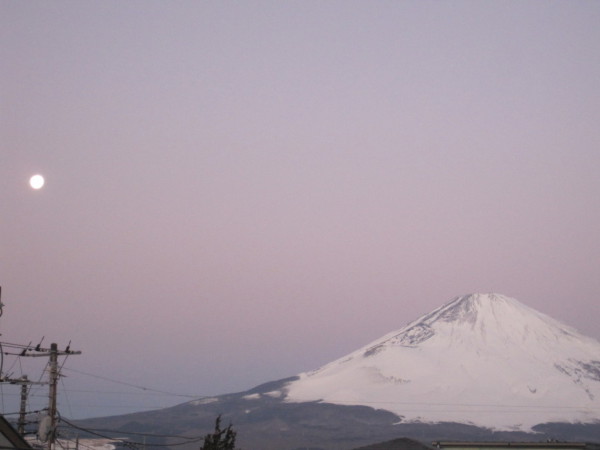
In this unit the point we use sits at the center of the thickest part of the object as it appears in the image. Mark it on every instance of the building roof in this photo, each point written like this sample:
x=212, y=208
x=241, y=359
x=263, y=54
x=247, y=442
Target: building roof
x=9, y=438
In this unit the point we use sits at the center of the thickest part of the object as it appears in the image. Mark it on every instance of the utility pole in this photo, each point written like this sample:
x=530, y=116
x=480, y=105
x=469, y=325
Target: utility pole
x=54, y=374
x=53, y=393
x=22, y=410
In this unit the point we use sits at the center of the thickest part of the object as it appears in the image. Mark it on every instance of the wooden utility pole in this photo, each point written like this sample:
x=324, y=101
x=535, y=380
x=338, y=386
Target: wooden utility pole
x=52, y=393
x=54, y=374
x=22, y=410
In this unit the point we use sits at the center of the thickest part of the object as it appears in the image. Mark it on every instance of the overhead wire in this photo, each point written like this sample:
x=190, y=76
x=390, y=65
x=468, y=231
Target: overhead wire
x=65, y=390
x=139, y=390
x=187, y=440
x=15, y=345
x=1, y=360
x=27, y=412
x=133, y=433
x=33, y=392
x=99, y=391
x=14, y=363
x=136, y=386
x=66, y=396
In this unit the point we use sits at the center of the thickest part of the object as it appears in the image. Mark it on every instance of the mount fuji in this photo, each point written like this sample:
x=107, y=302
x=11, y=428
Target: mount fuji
x=482, y=367
x=482, y=359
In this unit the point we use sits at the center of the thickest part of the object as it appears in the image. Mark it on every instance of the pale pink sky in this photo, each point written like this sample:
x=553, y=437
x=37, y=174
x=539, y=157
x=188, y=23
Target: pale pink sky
x=237, y=192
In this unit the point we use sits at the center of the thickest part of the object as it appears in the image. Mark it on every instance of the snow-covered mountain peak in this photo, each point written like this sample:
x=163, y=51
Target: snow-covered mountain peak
x=469, y=307
x=484, y=321
x=481, y=358
x=479, y=308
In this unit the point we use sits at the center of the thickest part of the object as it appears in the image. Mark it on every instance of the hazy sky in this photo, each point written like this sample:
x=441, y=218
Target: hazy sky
x=237, y=192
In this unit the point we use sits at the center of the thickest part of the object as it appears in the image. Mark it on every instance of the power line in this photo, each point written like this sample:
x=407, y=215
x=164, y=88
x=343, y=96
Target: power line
x=187, y=440
x=103, y=430
x=97, y=391
x=136, y=386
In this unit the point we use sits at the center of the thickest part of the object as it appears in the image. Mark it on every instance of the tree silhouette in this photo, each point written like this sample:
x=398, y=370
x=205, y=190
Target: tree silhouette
x=219, y=439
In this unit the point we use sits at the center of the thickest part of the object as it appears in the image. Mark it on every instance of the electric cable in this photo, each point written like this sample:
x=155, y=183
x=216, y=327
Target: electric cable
x=143, y=388
x=96, y=391
x=26, y=412
x=14, y=345
x=66, y=396
x=127, y=442
x=1, y=361
x=143, y=434
x=17, y=359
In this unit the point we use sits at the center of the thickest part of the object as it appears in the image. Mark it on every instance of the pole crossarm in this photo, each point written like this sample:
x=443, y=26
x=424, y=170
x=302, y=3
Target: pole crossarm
x=45, y=353
x=22, y=381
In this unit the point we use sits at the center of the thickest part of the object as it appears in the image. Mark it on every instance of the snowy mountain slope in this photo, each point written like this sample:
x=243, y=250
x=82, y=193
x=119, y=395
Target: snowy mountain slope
x=483, y=359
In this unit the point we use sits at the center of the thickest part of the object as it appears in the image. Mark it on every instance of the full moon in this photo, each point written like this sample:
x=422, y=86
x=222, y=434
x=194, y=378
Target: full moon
x=36, y=182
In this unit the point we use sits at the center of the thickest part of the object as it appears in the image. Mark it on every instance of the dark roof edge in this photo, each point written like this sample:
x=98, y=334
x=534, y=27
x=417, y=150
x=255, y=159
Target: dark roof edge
x=11, y=434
